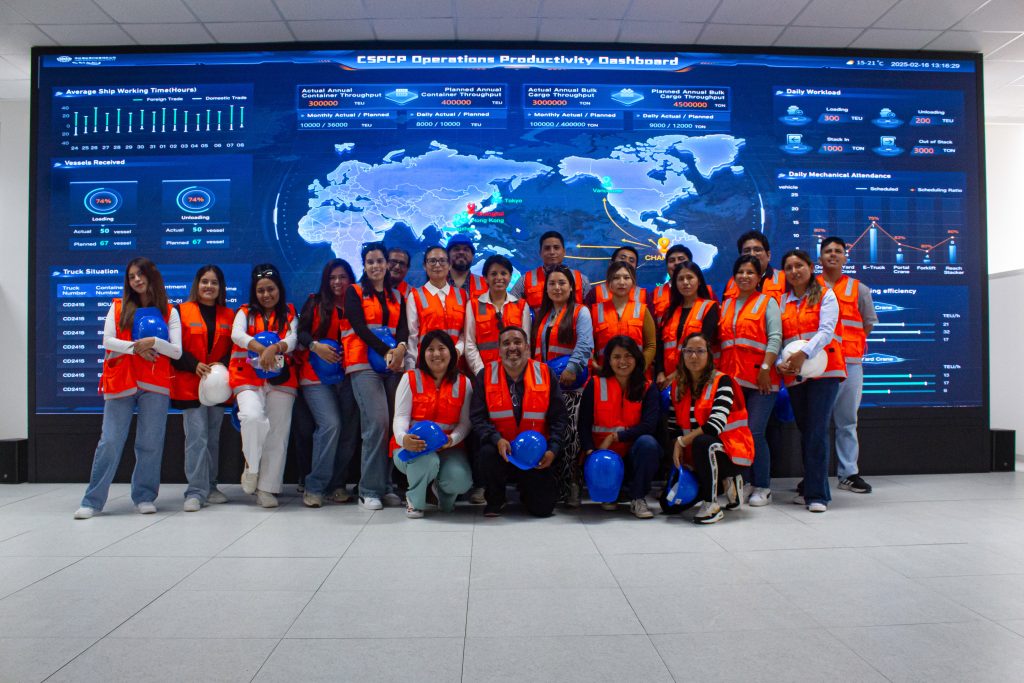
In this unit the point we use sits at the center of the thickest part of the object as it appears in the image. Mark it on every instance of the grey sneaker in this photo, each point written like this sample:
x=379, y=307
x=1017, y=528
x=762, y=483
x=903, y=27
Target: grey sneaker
x=573, y=498
x=340, y=495
x=266, y=499
x=640, y=509
x=610, y=507
x=216, y=497
x=709, y=513
x=413, y=513
x=392, y=500
x=476, y=497
x=312, y=500
x=799, y=500
x=249, y=481
x=192, y=505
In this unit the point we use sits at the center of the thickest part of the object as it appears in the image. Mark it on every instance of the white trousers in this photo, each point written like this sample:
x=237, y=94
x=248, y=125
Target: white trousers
x=265, y=415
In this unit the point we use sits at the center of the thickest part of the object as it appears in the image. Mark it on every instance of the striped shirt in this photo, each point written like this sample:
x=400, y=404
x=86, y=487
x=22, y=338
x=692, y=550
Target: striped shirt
x=720, y=408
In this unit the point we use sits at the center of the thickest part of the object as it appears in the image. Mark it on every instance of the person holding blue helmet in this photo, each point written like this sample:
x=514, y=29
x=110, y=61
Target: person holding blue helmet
x=438, y=392
x=331, y=403
x=619, y=412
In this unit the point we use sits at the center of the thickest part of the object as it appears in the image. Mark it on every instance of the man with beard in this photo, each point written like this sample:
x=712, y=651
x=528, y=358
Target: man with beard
x=460, y=257
x=511, y=396
x=398, y=268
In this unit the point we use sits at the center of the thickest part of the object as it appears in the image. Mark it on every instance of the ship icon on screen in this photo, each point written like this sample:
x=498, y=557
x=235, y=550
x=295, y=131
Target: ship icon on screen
x=402, y=95
x=627, y=96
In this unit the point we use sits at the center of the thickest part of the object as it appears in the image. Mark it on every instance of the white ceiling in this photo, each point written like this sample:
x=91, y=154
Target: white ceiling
x=993, y=27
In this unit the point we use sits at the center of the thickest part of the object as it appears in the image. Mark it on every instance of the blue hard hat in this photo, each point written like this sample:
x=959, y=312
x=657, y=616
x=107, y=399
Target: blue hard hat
x=783, y=408
x=528, y=449
x=377, y=361
x=603, y=472
x=432, y=435
x=267, y=339
x=682, y=488
x=558, y=364
x=148, y=322
x=327, y=373
x=461, y=238
x=666, y=400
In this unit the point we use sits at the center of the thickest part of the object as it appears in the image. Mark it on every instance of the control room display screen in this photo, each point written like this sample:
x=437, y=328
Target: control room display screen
x=297, y=156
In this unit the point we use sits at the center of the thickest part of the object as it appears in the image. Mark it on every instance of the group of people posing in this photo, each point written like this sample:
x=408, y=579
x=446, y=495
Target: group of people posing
x=673, y=377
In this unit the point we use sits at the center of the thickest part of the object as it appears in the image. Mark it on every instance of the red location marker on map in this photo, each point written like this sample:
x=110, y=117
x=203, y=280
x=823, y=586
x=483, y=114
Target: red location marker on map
x=471, y=209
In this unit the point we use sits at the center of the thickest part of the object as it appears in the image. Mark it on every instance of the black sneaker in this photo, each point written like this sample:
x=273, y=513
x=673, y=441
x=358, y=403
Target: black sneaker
x=855, y=484
x=494, y=510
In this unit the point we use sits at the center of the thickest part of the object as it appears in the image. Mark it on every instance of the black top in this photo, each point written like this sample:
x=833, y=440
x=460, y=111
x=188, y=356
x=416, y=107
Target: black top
x=305, y=336
x=649, y=412
x=557, y=417
x=354, y=311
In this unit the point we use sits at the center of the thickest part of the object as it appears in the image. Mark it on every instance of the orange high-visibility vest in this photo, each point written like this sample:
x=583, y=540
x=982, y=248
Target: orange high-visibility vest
x=603, y=293
x=774, y=286
x=533, y=287
x=736, y=436
x=440, y=404
x=608, y=324
x=536, y=396
x=800, y=321
x=124, y=374
x=555, y=348
x=855, y=339
x=613, y=413
x=335, y=329
x=403, y=289
x=356, y=350
x=661, y=299
x=745, y=343
x=242, y=375
x=185, y=385
x=477, y=286
x=485, y=317
x=450, y=317
x=672, y=338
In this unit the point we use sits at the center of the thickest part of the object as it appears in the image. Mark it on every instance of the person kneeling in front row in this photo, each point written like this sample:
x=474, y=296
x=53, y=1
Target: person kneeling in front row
x=711, y=412
x=437, y=392
x=511, y=396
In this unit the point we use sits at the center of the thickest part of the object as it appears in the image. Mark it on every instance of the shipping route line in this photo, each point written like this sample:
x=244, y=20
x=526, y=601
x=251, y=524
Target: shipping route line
x=604, y=201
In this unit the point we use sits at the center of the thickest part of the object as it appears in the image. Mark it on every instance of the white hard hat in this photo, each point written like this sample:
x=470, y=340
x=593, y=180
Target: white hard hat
x=812, y=367
x=214, y=389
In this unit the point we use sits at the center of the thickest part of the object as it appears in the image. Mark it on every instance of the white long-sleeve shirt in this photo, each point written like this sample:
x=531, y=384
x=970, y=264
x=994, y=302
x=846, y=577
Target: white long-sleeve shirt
x=828, y=316
x=240, y=332
x=476, y=363
x=403, y=412
x=170, y=348
x=412, y=317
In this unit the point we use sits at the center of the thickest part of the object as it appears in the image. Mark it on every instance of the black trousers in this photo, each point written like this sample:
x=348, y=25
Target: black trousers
x=538, y=489
x=710, y=465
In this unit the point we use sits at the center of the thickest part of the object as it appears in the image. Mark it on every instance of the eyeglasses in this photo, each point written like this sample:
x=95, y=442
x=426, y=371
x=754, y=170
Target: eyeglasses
x=436, y=261
x=693, y=353
x=401, y=264
x=753, y=250
x=265, y=273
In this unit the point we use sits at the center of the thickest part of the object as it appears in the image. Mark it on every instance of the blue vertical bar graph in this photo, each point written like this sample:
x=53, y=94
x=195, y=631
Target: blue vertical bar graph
x=873, y=243
x=899, y=256
x=952, y=251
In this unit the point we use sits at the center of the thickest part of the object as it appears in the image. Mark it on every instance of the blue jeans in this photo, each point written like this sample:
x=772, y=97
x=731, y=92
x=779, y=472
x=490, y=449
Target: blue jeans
x=812, y=407
x=149, y=447
x=844, y=416
x=333, y=438
x=202, y=449
x=371, y=392
x=642, y=462
x=759, y=409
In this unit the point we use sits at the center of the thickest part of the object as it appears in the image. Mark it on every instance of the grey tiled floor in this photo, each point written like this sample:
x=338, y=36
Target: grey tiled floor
x=921, y=580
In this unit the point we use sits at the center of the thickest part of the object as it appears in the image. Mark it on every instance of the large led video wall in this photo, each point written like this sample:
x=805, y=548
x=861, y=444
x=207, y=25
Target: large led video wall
x=297, y=156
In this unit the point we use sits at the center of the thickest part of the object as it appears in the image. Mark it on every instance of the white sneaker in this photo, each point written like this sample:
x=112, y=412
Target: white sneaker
x=340, y=495
x=476, y=497
x=216, y=497
x=192, y=505
x=84, y=513
x=413, y=513
x=371, y=503
x=640, y=509
x=146, y=508
x=709, y=513
x=312, y=500
x=817, y=507
x=799, y=500
x=759, y=497
x=266, y=499
x=249, y=481
x=392, y=500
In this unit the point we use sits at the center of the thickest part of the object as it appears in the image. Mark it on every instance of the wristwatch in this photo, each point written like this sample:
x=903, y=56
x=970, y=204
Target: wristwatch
x=765, y=366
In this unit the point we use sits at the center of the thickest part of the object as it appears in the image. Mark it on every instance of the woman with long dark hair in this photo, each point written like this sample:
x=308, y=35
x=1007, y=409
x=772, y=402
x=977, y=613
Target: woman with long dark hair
x=264, y=405
x=370, y=305
x=136, y=376
x=205, y=343
x=750, y=334
x=619, y=412
x=563, y=327
x=690, y=309
x=438, y=392
x=332, y=406
x=623, y=314
x=811, y=312
x=713, y=418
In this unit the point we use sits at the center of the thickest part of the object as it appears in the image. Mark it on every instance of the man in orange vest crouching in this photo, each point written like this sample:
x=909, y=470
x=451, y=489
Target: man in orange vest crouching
x=511, y=396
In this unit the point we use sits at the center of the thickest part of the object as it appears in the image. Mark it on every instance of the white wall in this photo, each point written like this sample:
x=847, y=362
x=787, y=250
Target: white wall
x=14, y=133
x=1004, y=156
x=1006, y=330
